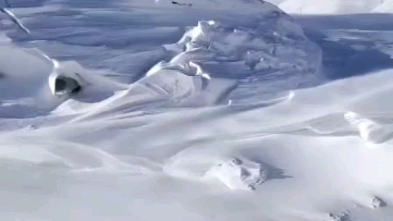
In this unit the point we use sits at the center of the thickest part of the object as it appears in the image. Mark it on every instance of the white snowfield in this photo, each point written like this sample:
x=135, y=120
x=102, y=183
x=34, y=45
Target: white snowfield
x=186, y=112
x=334, y=6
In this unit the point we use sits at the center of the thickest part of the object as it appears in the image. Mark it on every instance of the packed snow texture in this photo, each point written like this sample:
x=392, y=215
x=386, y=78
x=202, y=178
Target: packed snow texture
x=334, y=6
x=198, y=110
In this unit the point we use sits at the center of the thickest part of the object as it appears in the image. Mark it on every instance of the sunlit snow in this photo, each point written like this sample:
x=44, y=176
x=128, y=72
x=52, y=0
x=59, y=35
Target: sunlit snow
x=193, y=110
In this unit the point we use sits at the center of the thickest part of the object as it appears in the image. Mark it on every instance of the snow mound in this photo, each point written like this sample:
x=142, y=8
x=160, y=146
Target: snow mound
x=378, y=203
x=238, y=174
x=29, y=88
x=207, y=166
x=369, y=130
x=272, y=43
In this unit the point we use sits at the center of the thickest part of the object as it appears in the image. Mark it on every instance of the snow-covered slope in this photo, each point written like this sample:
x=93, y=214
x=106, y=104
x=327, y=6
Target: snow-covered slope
x=231, y=44
x=334, y=6
x=219, y=110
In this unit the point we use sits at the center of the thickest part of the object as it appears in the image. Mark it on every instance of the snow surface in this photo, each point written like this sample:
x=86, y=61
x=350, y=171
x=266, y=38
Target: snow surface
x=334, y=6
x=222, y=110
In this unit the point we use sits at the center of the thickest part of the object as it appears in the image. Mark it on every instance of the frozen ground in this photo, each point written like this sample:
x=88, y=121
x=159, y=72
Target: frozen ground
x=223, y=110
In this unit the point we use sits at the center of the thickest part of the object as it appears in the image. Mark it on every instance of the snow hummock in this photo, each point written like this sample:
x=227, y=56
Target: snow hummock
x=238, y=174
x=378, y=203
x=182, y=109
x=344, y=216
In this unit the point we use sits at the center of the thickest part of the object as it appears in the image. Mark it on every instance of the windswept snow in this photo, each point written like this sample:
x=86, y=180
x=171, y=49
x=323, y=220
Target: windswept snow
x=199, y=110
x=334, y=6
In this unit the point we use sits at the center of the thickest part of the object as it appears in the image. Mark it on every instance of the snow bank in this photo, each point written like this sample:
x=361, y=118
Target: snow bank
x=369, y=130
x=286, y=161
x=199, y=71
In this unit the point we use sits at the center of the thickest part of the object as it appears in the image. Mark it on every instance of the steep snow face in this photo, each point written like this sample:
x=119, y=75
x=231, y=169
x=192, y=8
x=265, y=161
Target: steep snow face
x=334, y=6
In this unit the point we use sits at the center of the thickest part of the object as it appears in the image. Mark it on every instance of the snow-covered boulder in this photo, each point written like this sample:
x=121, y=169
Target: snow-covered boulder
x=238, y=174
x=378, y=203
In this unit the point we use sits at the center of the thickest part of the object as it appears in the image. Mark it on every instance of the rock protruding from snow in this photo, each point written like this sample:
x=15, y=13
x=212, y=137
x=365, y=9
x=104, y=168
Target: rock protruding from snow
x=378, y=203
x=369, y=130
x=239, y=174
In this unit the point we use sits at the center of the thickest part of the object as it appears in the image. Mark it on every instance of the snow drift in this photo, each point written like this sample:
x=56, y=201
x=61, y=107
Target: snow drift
x=265, y=41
